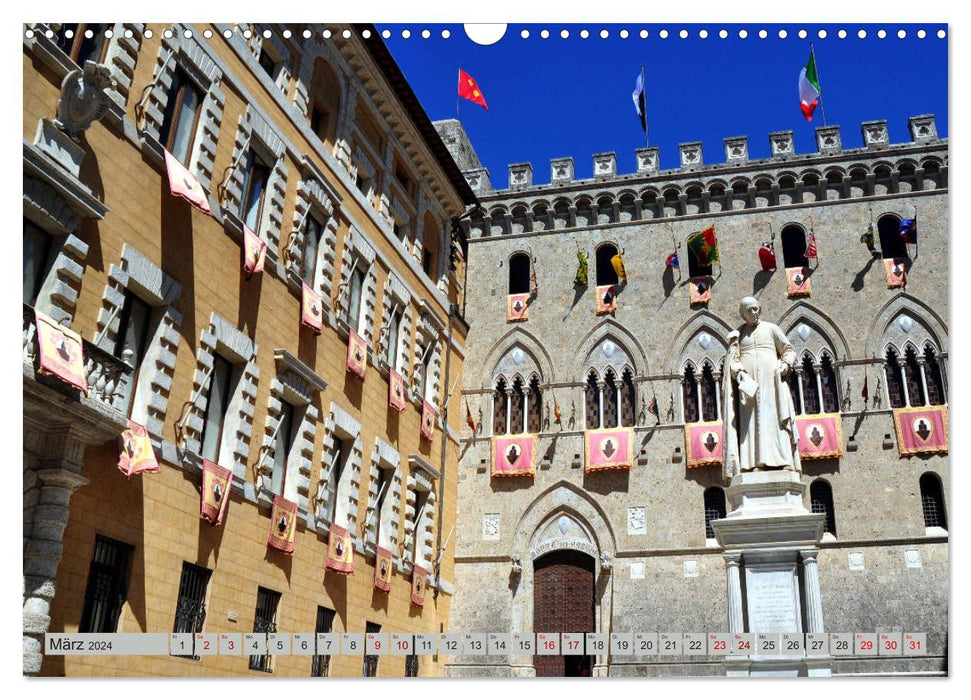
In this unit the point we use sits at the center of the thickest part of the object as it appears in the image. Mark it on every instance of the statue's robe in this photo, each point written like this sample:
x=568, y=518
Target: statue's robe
x=759, y=432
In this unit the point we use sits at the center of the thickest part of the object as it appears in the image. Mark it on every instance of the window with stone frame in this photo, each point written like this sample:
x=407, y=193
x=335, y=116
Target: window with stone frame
x=272, y=52
x=318, y=94
x=610, y=399
x=190, y=608
x=912, y=377
x=810, y=387
x=534, y=407
x=177, y=133
x=365, y=175
x=222, y=383
x=312, y=245
x=628, y=399
x=339, y=484
x=396, y=310
x=355, y=299
x=429, y=343
x=715, y=508
x=320, y=667
x=829, y=385
x=709, y=394
x=821, y=501
x=431, y=248
x=37, y=253
x=606, y=274
x=793, y=239
x=183, y=64
x=256, y=174
x=592, y=401
x=519, y=268
x=500, y=408
x=264, y=621
x=517, y=406
x=932, y=501
x=107, y=588
x=139, y=323
x=892, y=245
x=384, y=498
x=420, y=508
x=357, y=291
x=695, y=268
x=283, y=443
x=895, y=379
x=936, y=393
x=690, y=392
x=83, y=42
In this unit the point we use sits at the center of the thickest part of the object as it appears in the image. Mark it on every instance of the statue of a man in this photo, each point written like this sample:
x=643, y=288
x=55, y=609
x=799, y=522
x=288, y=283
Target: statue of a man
x=759, y=417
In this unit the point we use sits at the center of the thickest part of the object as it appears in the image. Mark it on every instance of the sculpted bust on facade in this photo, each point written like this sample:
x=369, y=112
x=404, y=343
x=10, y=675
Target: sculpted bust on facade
x=759, y=416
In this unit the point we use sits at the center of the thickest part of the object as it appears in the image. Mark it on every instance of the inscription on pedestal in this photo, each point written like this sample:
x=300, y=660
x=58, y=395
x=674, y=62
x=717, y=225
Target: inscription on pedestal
x=773, y=600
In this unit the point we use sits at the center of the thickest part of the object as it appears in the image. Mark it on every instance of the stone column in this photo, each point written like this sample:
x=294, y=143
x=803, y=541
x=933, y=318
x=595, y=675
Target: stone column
x=44, y=547
x=902, y=364
x=802, y=402
x=600, y=402
x=733, y=561
x=922, y=363
x=718, y=395
x=814, y=600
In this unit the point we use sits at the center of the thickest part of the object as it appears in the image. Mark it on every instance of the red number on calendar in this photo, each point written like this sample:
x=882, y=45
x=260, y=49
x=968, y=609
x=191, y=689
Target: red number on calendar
x=719, y=646
x=866, y=645
x=377, y=644
x=891, y=644
x=205, y=645
x=744, y=645
x=549, y=644
x=914, y=645
x=573, y=644
x=232, y=645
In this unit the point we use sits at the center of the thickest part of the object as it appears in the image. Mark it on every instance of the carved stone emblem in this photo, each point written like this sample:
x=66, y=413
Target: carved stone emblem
x=804, y=332
x=84, y=99
x=704, y=340
x=905, y=322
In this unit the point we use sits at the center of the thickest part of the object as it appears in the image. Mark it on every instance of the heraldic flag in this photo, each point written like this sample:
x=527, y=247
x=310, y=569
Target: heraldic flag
x=704, y=245
x=215, y=491
x=340, y=550
x=809, y=88
x=469, y=89
x=382, y=569
x=767, y=257
x=136, y=454
x=183, y=183
x=581, y=278
x=283, y=524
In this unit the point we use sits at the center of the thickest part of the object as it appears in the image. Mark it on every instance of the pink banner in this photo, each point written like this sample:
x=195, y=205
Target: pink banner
x=896, y=270
x=356, y=354
x=428, y=415
x=608, y=448
x=797, y=282
x=419, y=580
x=136, y=454
x=283, y=524
x=340, y=550
x=606, y=299
x=311, y=309
x=699, y=289
x=383, y=564
x=396, y=392
x=215, y=491
x=703, y=443
x=517, y=307
x=61, y=352
x=254, y=251
x=183, y=183
x=921, y=430
x=514, y=455
x=820, y=436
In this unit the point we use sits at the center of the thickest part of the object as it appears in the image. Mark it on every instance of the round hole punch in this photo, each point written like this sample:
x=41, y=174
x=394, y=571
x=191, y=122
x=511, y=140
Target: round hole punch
x=783, y=33
x=524, y=34
x=446, y=34
x=486, y=34
x=861, y=33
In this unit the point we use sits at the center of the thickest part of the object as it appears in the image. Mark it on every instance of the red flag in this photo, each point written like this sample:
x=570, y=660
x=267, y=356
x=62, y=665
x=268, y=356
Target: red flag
x=469, y=89
x=812, y=252
x=468, y=418
x=767, y=256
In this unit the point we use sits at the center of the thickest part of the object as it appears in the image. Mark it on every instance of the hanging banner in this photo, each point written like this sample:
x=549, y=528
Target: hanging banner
x=896, y=269
x=136, y=454
x=797, y=282
x=340, y=550
x=428, y=415
x=820, y=436
x=703, y=443
x=921, y=430
x=699, y=290
x=514, y=455
x=254, y=251
x=356, y=353
x=311, y=309
x=215, y=491
x=606, y=300
x=608, y=448
x=419, y=580
x=383, y=565
x=61, y=352
x=396, y=391
x=517, y=307
x=283, y=524
x=183, y=183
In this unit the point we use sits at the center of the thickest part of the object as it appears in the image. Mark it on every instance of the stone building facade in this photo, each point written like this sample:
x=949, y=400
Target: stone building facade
x=560, y=370
x=316, y=143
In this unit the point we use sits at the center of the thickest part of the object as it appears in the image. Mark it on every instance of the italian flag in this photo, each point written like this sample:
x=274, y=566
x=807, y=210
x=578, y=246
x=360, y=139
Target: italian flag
x=809, y=88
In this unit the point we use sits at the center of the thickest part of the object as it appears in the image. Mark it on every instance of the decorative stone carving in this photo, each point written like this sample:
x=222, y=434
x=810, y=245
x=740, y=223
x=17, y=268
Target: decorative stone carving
x=736, y=149
x=704, y=340
x=636, y=520
x=828, y=139
x=691, y=156
x=781, y=144
x=84, y=98
x=875, y=134
x=636, y=570
x=606, y=563
x=856, y=561
x=520, y=176
x=803, y=331
x=912, y=558
x=647, y=160
x=561, y=170
x=922, y=128
x=691, y=568
x=605, y=164
x=905, y=323
x=517, y=564
x=490, y=526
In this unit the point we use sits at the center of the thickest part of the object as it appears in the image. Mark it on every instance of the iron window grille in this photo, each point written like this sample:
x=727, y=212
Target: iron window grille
x=190, y=609
x=325, y=623
x=107, y=587
x=411, y=666
x=821, y=499
x=714, y=509
x=932, y=499
x=371, y=660
x=264, y=622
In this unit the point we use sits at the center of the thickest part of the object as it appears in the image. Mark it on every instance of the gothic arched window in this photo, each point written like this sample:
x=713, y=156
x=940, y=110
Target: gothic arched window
x=628, y=400
x=592, y=401
x=692, y=409
x=936, y=395
x=821, y=498
x=500, y=415
x=912, y=375
x=709, y=398
x=810, y=388
x=932, y=500
x=829, y=386
x=517, y=407
x=895, y=380
x=534, y=410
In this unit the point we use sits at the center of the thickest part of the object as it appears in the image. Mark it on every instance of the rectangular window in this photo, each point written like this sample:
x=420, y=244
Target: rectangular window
x=354, y=304
x=426, y=376
x=257, y=173
x=417, y=553
x=402, y=176
x=339, y=457
x=190, y=610
x=383, y=485
x=325, y=624
x=181, y=117
x=426, y=261
x=107, y=588
x=311, y=248
x=264, y=621
x=73, y=40
x=133, y=336
x=268, y=64
x=394, y=333
x=320, y=122
x=37, y=248
x=284, y=440
x=371, y=661
x=220, y=392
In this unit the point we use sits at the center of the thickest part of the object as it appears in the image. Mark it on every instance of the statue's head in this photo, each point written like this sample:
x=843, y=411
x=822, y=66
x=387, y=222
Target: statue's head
x=750, y=309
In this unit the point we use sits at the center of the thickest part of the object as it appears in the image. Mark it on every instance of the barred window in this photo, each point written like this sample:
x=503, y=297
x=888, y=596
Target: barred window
x=534, y=407
x=821, y=500
x=107, y=588
x=325, y=624
x=628, y=399
x=932, y=500
x=263, y=622
x=592, y=402
x=714, y=508
x=830, y=386
x=371, y=660
x=190, y=610
x=411, y=666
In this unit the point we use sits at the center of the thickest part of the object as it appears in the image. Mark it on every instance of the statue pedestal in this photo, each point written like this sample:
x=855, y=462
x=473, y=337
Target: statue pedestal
x=766, y=536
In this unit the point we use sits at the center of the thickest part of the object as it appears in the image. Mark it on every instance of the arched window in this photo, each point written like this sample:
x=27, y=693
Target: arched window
x=829, y=386
x=610, y=400
x=891, y=243
x=912, y=375
x=794, y=246
x=714, y=508
x=692, y=408
x=519, y=274
x=628, y=400
x=534, y=407
x=895, y=380
x=517, y=407
x=605, y=270
x=932, y=499
x=592, y=402
x=936, y=395
x=821, y=499
x=709, y=402
x=500, y=409
x=810, y=387
x=695, y=269
x=325, y=99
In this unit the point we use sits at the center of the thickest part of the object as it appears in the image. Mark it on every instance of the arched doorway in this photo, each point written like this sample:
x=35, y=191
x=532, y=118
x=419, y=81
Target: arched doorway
x=564, y=601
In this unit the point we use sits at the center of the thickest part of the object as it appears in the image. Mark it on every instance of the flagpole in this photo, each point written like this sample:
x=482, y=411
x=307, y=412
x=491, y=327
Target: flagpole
x=644, y=97
x=822, y=107
x=457, y=89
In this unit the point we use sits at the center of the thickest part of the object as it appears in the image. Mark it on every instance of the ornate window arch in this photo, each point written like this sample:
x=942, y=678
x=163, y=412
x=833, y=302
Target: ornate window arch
x=813, y=384
x=701, y=391
x=610, y=398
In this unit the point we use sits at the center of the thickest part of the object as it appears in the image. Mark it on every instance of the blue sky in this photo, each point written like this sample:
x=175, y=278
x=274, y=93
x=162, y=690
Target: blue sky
x=558, y=97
